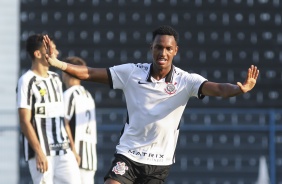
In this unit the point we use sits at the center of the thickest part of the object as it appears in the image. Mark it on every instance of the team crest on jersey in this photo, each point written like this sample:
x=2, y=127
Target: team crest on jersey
x=170, y=88
x=120, y=168
x=42, y=92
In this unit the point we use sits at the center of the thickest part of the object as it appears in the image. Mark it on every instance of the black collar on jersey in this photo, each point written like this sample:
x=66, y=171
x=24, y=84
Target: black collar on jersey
x=168, y=77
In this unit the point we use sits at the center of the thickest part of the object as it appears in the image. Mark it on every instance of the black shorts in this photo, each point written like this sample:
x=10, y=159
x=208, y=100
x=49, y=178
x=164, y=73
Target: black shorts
x=127, y=171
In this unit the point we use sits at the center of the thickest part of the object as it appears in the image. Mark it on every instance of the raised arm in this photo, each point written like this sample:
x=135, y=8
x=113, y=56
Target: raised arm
x=81, y=72
x=228, y=90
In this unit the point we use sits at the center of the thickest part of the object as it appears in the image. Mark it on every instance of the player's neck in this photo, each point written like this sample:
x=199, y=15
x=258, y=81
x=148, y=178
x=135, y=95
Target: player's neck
x=72, y=82
x=40, y=70
x=160, y=73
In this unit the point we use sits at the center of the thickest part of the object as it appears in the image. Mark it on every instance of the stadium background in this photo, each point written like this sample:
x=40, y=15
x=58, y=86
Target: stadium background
x=222, y=140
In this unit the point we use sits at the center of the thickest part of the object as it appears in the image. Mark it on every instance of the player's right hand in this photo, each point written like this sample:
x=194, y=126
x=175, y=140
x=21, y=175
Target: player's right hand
x=49, y=50
x=51, y=56
x=41, y=162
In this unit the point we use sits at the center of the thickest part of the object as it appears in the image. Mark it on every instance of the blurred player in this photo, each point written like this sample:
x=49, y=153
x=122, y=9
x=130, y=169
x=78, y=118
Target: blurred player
x=81, y=117
x=47, y=146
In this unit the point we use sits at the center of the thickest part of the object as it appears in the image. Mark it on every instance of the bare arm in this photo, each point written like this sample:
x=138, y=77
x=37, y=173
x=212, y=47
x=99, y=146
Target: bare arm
x=81, y=72
x=228, y=90
x=29, y=132
x=78, y=159
x=86, y=73
x=224, y=90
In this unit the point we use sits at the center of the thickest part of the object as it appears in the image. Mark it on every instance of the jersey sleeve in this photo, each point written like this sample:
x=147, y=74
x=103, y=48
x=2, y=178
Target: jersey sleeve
x=24, y=93
x=120, y=75
x=69, y=104
x=194, y=85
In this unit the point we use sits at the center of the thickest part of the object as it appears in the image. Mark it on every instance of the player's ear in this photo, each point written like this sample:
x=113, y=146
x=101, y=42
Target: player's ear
x=37, y=54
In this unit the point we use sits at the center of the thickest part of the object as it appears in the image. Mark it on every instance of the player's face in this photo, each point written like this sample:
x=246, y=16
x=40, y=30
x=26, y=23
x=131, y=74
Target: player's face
x=164, y=48
x=40, y=54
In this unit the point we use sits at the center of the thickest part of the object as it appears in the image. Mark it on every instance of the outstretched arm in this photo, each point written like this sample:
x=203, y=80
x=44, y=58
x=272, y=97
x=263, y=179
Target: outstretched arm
x=81, y=72
x=228, y=90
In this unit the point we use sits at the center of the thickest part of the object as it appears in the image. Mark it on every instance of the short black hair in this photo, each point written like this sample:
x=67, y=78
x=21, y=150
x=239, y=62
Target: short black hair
x=34, y=42
x=165, y=30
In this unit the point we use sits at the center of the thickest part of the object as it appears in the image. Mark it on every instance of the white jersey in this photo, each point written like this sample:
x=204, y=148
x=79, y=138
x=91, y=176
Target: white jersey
x=80, y=111
x=44, y=97
x=154, y=110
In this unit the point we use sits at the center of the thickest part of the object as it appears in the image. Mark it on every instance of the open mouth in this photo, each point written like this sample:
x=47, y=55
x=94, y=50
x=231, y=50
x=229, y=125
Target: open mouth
x=162, y=60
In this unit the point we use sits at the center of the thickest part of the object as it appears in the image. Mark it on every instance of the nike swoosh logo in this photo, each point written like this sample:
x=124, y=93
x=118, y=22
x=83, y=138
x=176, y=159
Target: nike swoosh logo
x=139, y=82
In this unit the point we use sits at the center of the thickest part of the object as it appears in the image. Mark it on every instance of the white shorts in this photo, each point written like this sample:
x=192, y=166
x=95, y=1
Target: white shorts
x=87, y=177
x=61, y=169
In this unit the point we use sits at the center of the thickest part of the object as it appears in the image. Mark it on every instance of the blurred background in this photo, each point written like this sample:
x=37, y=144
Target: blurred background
x=222, y=141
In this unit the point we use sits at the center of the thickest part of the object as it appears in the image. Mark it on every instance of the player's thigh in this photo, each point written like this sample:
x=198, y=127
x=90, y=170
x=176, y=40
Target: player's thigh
x=111, y=181
x=66, y=169
x=37, y=176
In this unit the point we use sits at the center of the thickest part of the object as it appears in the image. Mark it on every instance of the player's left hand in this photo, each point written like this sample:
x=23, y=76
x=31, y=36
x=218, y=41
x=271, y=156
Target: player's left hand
x=251, y=79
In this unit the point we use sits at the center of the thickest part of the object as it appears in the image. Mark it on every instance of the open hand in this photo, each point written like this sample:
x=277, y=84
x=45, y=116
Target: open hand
x=251, y=79
x=51, y=56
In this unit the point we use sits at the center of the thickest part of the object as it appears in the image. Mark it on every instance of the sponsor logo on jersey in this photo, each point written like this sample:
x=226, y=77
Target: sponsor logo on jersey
x=142, y=66
x=59, y=146
x=41, y=110
x=170, y=88
x=149, y=156
x=120, y=168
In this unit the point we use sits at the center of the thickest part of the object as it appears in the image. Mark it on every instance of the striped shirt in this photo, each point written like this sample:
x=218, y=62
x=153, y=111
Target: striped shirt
x=80, y=111
x=44, y=97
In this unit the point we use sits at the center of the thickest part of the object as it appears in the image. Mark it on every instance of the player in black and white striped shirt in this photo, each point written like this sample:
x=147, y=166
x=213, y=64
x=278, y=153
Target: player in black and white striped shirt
x=81, y=116
x=41, y=112
x=156, y=94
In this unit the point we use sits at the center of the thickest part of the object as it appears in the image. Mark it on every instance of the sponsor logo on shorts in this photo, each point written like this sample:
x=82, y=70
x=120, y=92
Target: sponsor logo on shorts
x=120, y=168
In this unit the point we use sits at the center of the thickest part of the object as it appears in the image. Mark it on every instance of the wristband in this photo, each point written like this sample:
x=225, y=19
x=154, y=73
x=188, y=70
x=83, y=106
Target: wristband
x=60, y=64
x=64, y=66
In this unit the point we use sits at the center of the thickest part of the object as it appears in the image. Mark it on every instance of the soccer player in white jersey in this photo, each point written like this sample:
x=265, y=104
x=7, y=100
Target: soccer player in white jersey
x=47, y=144
x=81, y=117
x=156, y=94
